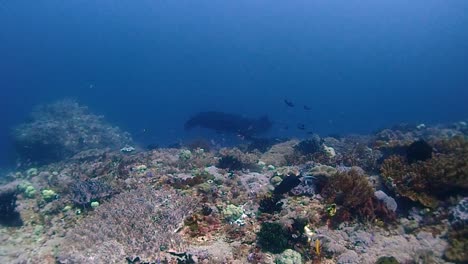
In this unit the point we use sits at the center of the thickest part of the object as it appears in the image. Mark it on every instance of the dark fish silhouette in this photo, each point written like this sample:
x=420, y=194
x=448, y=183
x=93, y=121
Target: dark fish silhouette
x=288, y=103
x=229, y=123
x=287, y=184
x=301, y=126
x=306, y=108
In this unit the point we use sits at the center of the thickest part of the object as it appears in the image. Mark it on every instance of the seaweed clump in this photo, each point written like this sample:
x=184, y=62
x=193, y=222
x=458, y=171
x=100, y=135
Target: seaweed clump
x=272, y=237
x=271, y=204
x=8, y=214
x=432, y=180
x=230, y=163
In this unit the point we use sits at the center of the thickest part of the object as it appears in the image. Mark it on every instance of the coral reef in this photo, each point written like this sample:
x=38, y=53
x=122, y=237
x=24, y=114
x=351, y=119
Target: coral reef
x=432, y=180
x=85, y=192
x=369, y=244
x=351, y=191
x=177, y=205
x=136, y=223
x=278, y=154
x=235, y=159
x=62, y=129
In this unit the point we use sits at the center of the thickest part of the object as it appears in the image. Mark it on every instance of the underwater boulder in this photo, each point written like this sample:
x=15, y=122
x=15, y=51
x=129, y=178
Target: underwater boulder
x=62, y=129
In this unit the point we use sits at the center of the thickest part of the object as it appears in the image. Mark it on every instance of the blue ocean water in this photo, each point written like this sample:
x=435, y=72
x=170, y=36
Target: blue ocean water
x=149, y=65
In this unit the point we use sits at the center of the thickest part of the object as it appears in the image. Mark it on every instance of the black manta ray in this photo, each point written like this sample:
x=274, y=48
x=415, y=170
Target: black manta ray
x=229, y=123
x=288, y=103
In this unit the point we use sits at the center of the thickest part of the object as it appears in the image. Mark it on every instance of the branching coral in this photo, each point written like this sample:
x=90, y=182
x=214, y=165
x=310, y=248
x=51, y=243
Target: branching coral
x=141, y=223
x=353, y=193
x=350, y=189
x=429, y=181
x=85, y=192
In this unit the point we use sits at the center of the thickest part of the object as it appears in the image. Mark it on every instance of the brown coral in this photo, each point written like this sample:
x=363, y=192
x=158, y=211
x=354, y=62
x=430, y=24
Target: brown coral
x=353, y=192
x=457, y=250
x=430, y=181
x=350, y=189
